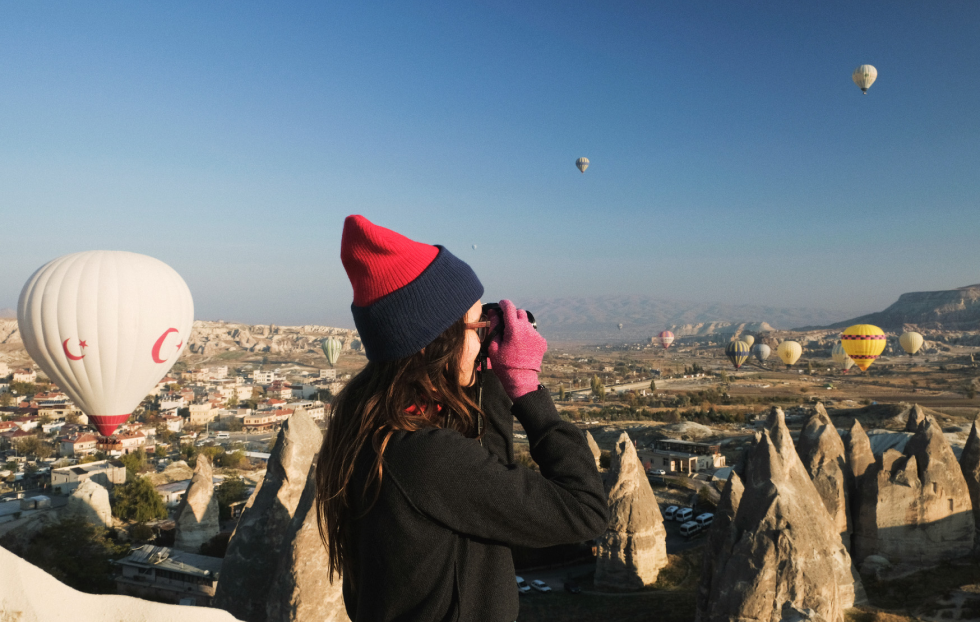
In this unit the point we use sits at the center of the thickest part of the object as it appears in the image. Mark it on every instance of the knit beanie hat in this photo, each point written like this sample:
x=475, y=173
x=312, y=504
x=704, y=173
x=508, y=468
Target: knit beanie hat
x=405, y=293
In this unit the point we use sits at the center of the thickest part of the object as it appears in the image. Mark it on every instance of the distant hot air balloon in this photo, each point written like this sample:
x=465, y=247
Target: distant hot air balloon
x=331, y=349
x=789, y=352
x=582, y=164
x=474, y=247
x=620, y=325
x=666, y=338
x=737, y=352
x=864, y=76
x=863, y=343
x=761, y=352
x=911, y=342
x=841, y=358
x=749, y=339
x=105, y=326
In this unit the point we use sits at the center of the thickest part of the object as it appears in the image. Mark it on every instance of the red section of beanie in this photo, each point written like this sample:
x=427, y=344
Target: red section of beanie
x=378, y=260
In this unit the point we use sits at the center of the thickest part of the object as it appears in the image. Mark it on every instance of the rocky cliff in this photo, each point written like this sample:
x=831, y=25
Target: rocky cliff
x=970, y=465
x=954, y=309
x=822, y=453
x=209, y=338
x=197, y=514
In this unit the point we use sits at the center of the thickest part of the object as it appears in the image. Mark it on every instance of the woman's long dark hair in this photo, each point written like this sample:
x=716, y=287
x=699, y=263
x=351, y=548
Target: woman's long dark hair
x=413, y=393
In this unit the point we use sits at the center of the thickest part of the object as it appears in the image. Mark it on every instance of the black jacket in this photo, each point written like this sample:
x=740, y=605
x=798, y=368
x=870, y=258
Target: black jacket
x=434, y=546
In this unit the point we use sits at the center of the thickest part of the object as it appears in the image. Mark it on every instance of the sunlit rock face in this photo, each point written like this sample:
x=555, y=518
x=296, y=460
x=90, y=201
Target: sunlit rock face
x=197, y=515
x=594, y=448
x=28, y=594
x=774, y=553
x=822, y=452
x=633, y=550
x=970, y=465
x=915, y=506
x=90, y=502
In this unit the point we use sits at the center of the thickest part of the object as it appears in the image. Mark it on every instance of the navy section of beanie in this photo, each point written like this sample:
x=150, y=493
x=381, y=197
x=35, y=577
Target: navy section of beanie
x=406, y=320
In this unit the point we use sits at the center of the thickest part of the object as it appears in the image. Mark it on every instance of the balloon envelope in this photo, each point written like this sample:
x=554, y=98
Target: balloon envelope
x=749, y=339
x=911, y=342
x=331, y=349
x=864, y=343
x=582, y=164
x=737, y=352
x=620, y=325
x=761, y=352
x=864, y=76
x=666, y=338
x=105, y=326
x=789, y=352
x=841, y=358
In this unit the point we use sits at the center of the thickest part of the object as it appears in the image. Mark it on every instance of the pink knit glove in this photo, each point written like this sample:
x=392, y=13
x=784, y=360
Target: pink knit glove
x=517, y=357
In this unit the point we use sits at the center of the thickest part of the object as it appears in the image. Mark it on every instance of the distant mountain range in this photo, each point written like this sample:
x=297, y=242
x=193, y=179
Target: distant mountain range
x=595, y=320
x=952, y=309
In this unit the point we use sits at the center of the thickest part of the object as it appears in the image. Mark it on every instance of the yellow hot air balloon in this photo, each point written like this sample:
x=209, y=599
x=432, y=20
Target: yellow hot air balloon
x=749, y=339
x=864, y=76
x=789, y=352
x=911, y=342
x=863, y=343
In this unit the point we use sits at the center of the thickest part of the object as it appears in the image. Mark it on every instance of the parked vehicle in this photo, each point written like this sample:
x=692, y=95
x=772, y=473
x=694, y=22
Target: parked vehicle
x=540, y=585
x=522, y=586
x=658, y=472
x=670, y=511
x=683, y=515
x=572, y=587
x=705, y=519
x=690, y=529
x=223, y=435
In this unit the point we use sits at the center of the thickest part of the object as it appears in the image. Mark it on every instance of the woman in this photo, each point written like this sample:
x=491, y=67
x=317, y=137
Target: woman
x=418, y=496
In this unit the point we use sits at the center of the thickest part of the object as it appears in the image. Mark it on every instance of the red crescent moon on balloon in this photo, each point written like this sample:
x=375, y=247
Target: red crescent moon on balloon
x=71, y=357
x=155, y=353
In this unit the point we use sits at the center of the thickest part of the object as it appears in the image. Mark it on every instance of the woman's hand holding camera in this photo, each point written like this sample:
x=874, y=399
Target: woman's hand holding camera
x=516, y=357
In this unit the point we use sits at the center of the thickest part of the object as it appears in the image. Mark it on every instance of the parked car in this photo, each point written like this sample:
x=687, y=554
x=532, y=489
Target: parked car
x=705, y=519
x=522, y=586
x=683, y=515
x=540, y=585
x=690, y=529
x=658, y=472
x=670, y=511
x=572, y=587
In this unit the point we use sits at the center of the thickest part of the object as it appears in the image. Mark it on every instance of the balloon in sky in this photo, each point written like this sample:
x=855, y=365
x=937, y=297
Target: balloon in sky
x=620, y=325
x=331, y=348
x=474, y=247
x=737, y=352
x=789, y=352
x=582, y=164
x=666, y=338
x=749, y=339
x=864, y=76
x=841, y=358
x=863, y=343
x=105, y=326
x=761, y=352
x=911, y=342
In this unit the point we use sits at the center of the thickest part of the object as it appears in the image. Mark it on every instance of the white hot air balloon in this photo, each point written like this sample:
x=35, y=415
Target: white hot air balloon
x=864, y=76
x=582, y=164
x=105, y=326
x=749, y=339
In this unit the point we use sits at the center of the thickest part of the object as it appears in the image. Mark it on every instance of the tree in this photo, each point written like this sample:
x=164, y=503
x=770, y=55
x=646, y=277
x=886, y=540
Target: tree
x=653, y=385
x=233, y=400
x=233, y=459
x=235, y=424
x=809, y=368
x=6, y=399
x=160, y=451
x=33, y=446
x=44, y=419
x=138, y=501
x=561, y=392
x=228, y=492
x=135, y=463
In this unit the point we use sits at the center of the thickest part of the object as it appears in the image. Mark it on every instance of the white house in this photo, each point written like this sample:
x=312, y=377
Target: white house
x=25, y=375
x=263, y=377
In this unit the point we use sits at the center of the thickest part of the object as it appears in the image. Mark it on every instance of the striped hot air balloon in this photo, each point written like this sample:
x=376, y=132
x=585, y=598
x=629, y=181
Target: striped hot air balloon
x=864, y=343
x=841, y=358
x=789, y=352
x=331, y=349
x=737, y=352
x=864, y=76
x=911, y=342
x=582, y=164
x=666, y=338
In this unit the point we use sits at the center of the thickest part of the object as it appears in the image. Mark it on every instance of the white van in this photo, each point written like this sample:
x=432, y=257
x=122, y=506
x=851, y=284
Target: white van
x=683, y=515
x=670, y=511
x=690, y=528
x=705, y=519
x=223, y=435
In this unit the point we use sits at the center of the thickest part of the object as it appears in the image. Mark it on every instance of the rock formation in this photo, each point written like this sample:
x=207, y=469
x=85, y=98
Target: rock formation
x=28, y=594
x=197, y=514
x=970, y=465
x=633, y=549
x=90, y=501
x=774, y=553
x=915, y=506
x=822, y=452
x=594, y=447
x=858, y=450
x=256, y=546
x=915, y=419
x=300, y=588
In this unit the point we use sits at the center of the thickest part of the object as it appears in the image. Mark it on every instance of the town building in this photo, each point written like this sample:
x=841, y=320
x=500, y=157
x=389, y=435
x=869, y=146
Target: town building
x=77, y=445
x=263, y=377
x=314, y=409
x=265, y=420
x=120, y=444
x=200, y=414
x=685, y=456
x=328, y=374
x=169, y=575
x=173, y=422
x=25, y=375
x=105, y=472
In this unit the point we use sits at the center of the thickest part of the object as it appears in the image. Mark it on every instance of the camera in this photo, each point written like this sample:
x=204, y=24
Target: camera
x=499, y=330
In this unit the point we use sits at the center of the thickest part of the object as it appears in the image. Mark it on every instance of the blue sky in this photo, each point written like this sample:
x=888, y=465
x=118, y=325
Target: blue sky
x=732, y=157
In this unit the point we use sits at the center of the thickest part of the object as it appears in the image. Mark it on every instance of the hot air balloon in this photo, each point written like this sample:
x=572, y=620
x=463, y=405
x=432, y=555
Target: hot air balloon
x=761, y=352
x=620, y=325
x=582, y=164
x=863, y=343
x=864, y=76
x=666, y=338
x=474, y=247
x=841, y=358
x=105, y=326
x=749, y=339
x=737, y=352
x=911, y=342
x=789, y=352
x=331, y=349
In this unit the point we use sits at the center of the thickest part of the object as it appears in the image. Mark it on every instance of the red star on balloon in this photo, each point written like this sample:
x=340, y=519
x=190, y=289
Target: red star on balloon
x=82, y=344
